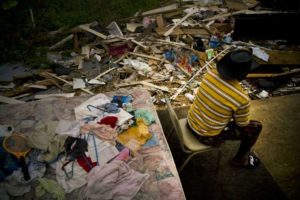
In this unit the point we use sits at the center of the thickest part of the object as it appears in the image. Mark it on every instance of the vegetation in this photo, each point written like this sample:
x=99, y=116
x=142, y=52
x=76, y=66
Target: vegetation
x=21, y=42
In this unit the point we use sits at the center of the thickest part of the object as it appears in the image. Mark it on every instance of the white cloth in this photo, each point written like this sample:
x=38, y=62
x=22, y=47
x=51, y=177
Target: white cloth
x=68, y=127
x=105, y=150
x=82, y=111
x=115, y=180
x=78, y=179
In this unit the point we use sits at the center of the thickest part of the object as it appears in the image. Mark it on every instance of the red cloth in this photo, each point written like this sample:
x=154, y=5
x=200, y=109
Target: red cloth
x=109, y=120
x=86, y=163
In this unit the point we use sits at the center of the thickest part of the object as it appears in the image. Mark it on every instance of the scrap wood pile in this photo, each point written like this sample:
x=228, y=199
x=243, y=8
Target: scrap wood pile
x=165, y=50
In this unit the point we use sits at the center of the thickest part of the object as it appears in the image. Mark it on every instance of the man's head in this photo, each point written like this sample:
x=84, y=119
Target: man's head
x=236, y=64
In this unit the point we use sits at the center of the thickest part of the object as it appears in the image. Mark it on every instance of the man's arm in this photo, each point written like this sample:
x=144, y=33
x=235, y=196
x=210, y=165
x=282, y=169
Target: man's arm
x=241, y=115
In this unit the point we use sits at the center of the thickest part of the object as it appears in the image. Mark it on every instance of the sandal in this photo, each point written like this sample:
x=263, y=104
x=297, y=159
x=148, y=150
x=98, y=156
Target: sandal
x=253, y=162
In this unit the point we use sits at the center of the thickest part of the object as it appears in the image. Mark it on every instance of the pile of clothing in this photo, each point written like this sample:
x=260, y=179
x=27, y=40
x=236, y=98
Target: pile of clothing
x=88, y=155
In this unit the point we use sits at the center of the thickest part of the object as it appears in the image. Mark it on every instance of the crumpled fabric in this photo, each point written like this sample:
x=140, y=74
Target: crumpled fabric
x=136, y=136
x=45, y=138
x=115, y=180
x=15, y=183
x=146, y=115
x=3, y=193
x=49, y=186
x=102, y=131
x=68, y=127
x=78, y=178
x=17, y=189
x=9, y=163
x=109, y=120
x=100, y=151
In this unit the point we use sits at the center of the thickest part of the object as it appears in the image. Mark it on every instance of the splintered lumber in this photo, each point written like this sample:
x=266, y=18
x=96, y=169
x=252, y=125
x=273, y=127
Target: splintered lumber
x=88, y=29
x=150, y=57
x=284, y=57
x=181, y=89
x=22, y=89
x=106, y=72
x=193, y=11
x=145, y=83
x=160, y=21
x=181, y=69
x=267, y=75
x=35, y=86
x=44, y=96
x=183, y=31
x=63, y=41
x=69, y=83
x=8, y=100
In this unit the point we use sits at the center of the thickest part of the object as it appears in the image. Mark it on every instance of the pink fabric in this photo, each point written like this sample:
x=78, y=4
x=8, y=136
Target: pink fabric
x=102, y=131
x=115, y=180
x=124, y=155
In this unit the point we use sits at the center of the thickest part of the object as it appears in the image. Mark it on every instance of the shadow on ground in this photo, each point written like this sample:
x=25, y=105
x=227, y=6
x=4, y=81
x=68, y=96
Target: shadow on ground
x=203, y=178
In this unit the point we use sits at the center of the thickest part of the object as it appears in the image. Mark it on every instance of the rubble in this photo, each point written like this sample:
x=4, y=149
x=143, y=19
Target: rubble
x=165, y=50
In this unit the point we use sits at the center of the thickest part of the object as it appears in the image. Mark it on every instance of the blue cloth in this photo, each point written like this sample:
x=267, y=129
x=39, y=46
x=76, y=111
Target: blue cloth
x=145, y=115
x=9, y=163
x=153, y=141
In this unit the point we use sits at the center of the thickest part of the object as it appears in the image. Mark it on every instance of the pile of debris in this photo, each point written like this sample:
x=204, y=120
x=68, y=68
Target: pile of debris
x=165, y=50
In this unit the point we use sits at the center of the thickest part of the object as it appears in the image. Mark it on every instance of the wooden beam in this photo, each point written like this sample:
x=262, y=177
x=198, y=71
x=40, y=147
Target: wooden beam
x=106, y=72
x=267, y=75
x=150, y=57
x=145, y=83
x=63, y=41
x=8, y=100
x=43, y=96
x=69, y=83
x=88, y=29
x=167, y=33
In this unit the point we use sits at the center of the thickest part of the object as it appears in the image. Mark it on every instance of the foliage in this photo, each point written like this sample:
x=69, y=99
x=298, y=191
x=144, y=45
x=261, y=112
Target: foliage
x=19, y=40
x=7, y=4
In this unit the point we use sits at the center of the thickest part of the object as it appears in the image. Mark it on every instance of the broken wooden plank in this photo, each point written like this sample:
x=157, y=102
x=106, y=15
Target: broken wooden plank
x=273, y=75
x=35, y=86
x=283, y=57
x=69, y=83
x=44, y=96
x=181, y=89
x=150, y=57
x=88, y=29
x=114, y=29
x=235, y=5
x=183, y=70
x=63, y=41
x=160, y=21
x=184, y=31
x=193, y=11
x=145, y=83
x=8, y=100
x=85, y=51
x=106, y=72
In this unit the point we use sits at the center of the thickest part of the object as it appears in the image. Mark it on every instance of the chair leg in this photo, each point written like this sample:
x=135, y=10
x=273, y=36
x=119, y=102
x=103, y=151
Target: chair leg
x=170, y=133
x=218, y=160
x=190, y=156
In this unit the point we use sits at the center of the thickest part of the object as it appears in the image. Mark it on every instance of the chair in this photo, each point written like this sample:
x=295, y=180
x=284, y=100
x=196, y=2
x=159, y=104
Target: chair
x=188, y=142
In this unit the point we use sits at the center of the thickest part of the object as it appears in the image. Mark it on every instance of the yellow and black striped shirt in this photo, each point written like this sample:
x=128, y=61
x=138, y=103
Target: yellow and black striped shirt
x=218, y=101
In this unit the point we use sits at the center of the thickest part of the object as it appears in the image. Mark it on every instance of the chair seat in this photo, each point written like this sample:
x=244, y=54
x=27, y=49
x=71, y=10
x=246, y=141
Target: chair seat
x=190, y=141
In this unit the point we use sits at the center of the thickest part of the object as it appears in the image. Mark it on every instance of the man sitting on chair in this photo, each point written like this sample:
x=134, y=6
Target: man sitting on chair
x=220, y=110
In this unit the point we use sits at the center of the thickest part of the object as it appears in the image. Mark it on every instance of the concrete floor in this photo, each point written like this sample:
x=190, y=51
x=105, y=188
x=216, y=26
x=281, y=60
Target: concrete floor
x=278, y=175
